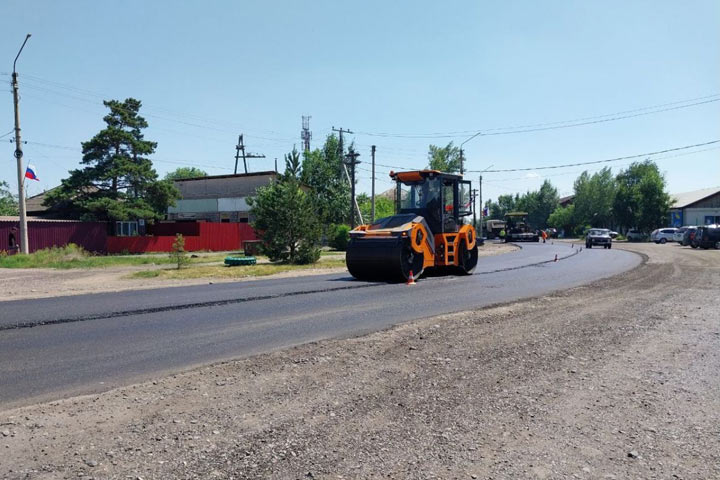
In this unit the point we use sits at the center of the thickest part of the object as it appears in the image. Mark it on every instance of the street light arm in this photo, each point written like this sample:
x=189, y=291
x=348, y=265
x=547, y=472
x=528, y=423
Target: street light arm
x=463, y=143
x=20, y=51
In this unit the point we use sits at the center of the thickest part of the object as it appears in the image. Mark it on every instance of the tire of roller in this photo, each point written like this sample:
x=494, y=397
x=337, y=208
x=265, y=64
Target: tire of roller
x=468, y=259
x=383, y=259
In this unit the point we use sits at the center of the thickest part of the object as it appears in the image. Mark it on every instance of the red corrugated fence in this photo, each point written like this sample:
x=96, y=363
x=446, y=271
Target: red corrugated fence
x=210, y=236
x=92, y=236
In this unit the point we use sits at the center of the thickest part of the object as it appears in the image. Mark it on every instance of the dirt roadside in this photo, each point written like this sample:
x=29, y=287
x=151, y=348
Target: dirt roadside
x=20, y=283
x=614, y=380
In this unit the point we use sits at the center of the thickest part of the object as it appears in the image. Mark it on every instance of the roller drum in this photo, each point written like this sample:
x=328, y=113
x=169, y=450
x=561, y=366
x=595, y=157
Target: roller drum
x=388, y=259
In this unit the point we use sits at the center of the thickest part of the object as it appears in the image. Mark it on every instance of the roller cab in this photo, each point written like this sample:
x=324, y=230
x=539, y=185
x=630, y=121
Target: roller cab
x=426, y=234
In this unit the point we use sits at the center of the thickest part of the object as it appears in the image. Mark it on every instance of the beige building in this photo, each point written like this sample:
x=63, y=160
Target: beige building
x=218, y=198
x=701, y=207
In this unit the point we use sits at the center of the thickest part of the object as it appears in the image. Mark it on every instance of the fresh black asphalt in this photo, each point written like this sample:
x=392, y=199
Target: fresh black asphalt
x=55, y=347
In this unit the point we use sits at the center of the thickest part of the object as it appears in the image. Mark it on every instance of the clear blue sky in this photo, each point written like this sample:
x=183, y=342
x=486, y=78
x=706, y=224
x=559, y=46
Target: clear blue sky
x=207, y=71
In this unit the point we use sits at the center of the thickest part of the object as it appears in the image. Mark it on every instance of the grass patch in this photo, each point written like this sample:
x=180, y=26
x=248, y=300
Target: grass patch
x=73, y=256
x=221, y=271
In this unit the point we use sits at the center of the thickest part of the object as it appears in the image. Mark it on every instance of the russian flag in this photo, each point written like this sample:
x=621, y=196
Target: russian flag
x=30, y=173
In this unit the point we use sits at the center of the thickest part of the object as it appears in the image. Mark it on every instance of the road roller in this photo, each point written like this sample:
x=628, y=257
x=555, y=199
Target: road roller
x=427, y=233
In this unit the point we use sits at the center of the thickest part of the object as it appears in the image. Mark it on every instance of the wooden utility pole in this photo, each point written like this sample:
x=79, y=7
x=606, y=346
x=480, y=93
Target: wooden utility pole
x=372, y=198
x=352, y=161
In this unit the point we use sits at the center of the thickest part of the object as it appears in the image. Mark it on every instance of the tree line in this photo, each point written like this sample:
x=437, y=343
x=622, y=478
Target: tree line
x=634, y=198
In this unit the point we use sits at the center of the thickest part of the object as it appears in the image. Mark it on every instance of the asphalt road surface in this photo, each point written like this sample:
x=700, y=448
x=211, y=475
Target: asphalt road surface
x=57, y=347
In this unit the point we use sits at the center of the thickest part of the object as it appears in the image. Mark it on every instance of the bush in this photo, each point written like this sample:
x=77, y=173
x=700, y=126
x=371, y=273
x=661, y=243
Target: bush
x=339, y=237
x=178, y=253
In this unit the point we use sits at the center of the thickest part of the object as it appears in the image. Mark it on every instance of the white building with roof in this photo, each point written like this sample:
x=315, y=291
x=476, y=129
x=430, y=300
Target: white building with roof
x=700, y=207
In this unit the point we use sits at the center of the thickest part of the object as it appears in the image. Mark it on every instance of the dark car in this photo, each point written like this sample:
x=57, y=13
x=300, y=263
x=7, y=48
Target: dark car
x=688, y=236
x=707, y=237
x=598, y=237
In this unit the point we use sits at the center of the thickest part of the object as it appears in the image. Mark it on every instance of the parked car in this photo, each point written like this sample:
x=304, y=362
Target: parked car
x=679, y=234
x=688, y=236
x=636, y=236
x=613, y=234
x=552, y=232
x=707, y=237
x=598, y=237
x=662, y=235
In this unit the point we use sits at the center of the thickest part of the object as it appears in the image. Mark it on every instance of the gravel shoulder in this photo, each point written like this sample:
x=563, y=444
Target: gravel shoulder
x=612, y=380
x=20, y=283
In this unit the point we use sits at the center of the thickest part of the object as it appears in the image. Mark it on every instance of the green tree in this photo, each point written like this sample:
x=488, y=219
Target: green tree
x=446, y=159
x=641, y=200
x=8, y=202
x=504, y=204
x=384, y=207
x=323, y=172
x=563, y=218
x=118, y=181
x=285, y=217
x=594, y=199
x=541, y=204
x=185, y=172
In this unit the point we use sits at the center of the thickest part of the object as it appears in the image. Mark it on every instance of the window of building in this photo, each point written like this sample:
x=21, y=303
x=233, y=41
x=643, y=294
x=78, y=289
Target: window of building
x=126, y=229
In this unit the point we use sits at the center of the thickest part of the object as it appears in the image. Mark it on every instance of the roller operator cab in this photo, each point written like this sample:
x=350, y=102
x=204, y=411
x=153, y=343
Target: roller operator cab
x=427, y=232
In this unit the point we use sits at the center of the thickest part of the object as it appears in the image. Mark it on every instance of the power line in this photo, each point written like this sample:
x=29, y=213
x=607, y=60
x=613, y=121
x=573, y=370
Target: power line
x=664, y=157
x=599, y=161
x=559, y=124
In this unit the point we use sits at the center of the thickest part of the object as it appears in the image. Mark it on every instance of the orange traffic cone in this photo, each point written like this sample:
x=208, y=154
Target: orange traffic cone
x=411, y=279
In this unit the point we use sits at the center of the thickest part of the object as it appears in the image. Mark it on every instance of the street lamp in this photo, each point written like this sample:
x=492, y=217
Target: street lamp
x=461, y=150
x=18, y=155
x=482, y=213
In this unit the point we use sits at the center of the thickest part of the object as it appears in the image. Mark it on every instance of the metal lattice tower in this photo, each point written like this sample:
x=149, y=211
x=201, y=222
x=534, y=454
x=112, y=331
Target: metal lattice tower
x=306, y=134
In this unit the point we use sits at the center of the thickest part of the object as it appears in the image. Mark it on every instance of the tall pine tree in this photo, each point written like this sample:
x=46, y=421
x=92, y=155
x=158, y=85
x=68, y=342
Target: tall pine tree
x=118, y=181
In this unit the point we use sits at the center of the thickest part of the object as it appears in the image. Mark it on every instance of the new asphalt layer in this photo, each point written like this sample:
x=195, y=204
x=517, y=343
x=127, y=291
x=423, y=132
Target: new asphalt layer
x=56, y=347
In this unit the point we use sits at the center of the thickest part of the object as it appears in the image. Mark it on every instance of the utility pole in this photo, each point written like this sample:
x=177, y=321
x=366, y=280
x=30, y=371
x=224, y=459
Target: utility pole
x=306, y=134
x=482, y=213
x=461, y=161
x=352, y=161
x=240, y=147
x=24, y=247
x=341, y=146
x=372, y=198
x=473, y=196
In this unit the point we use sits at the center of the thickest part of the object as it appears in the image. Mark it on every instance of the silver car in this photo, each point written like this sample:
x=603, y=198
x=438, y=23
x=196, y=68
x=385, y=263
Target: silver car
x=599, y=237
x=663, y=235
x=679, y=234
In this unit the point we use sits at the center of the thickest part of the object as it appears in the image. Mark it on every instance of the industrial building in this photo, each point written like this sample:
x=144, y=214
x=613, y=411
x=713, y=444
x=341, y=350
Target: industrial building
x=700, y=207
x=218, y=198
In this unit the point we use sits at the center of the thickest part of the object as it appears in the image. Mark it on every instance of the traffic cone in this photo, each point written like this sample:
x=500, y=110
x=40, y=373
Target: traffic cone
x=411, y=279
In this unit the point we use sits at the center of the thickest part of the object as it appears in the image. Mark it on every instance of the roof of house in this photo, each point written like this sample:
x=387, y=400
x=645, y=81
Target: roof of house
x=682, y=200
x=231, y=175
x=35, y=203
x=566, y=200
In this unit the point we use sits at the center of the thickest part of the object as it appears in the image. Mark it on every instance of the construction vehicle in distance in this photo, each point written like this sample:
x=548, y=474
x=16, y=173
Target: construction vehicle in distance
x=426, y=234
x=494, y=227
x=517, y=228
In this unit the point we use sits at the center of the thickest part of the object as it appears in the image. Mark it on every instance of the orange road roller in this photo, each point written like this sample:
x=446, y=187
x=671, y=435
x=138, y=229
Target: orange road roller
x=427, y=234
